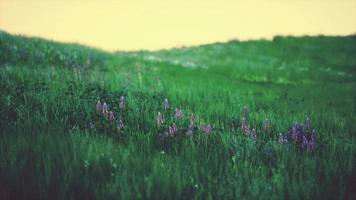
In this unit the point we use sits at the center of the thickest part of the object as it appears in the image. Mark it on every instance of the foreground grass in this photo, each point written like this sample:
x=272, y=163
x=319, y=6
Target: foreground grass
x=55, y=145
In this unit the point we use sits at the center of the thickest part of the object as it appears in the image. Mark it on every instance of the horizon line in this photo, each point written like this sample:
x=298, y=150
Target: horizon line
x=180, y=46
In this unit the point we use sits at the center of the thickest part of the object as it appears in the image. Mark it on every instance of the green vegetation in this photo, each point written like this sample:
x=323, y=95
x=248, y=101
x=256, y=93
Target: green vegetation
x=55, y=145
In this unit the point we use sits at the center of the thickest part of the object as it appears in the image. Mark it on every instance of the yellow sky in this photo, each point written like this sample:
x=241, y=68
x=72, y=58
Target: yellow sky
x=155, y=24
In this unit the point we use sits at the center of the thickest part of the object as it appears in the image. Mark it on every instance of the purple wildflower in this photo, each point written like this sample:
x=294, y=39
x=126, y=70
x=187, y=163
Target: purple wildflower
x=111, y=116
x=175, y=128
x=159, y=119
x=311, y=145
x=254, y=135
x=206, y=129
x=295, y=133
x=305, y=142
x=120, y=125
x=166, y=104
x=170, y=131
x=245, y=112
x=302, y=137
x=179, y=113
x=104, y=109
x=99, y=107
x=244, y=126
x=122, y=103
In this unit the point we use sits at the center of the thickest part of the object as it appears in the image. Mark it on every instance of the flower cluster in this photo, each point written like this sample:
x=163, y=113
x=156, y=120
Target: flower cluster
x=244, y=125
x=301, y=135
x=175, y=128
x=179, y=124
x=111, y=116
x=103, y=109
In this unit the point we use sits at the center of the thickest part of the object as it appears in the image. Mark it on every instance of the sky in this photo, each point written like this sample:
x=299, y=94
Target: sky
x=160, y=24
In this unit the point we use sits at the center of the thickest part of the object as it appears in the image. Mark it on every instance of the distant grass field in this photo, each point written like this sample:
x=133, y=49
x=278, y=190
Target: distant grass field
x=54, y=144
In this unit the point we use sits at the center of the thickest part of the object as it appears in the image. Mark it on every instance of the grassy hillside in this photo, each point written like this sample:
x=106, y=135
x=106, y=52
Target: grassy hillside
x=22, y=50
x=56, y=144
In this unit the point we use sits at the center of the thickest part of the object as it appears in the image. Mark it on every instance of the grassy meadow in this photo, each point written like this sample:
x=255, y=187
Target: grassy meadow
x=57, y=142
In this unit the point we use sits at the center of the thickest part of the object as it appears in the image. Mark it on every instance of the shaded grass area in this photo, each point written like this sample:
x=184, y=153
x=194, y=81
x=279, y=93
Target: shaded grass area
x=54, y=144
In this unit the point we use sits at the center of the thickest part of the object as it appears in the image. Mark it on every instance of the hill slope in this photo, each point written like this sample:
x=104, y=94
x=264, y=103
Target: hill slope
x=57, y=142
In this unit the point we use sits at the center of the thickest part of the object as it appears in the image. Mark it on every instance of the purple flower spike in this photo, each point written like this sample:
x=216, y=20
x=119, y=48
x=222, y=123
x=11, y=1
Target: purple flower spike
x=294, y=133
x=170, y=131
x=254, y=135
x=104, y=109
x=122, y=103
x=120, y=125
x=175, y=128
x=111, y=116
x=99, y=107
x=245, y=112
x=166, y=104
x=244, y=126
x=179, y=113
x=301, y=136
x=159, y=119
x=311, y=145
x=305, y=143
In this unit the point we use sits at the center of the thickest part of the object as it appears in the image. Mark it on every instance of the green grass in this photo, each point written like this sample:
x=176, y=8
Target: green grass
x=54, y=145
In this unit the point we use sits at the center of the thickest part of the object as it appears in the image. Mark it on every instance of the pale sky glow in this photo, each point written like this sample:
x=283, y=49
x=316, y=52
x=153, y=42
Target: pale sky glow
x=156, y=24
